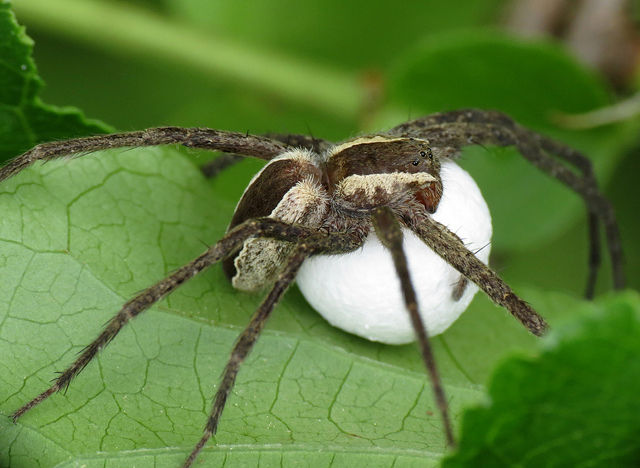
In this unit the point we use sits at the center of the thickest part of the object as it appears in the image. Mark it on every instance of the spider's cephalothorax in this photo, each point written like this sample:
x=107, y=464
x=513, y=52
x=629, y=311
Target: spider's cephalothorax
x=343, y=219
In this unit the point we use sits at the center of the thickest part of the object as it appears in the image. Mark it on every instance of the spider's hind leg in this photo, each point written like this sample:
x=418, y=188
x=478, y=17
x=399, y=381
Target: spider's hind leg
x=231, y=242
x=322, y=243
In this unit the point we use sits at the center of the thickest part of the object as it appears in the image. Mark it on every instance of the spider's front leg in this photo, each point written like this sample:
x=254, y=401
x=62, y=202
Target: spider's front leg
x=449, y=246
x=204, y=138
x=390, y=234
x=450, y=131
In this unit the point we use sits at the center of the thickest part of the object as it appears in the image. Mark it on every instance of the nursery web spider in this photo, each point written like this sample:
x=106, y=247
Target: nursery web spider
x=317, y=199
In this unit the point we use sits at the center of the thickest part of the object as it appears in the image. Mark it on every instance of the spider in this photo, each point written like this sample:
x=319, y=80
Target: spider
x=315, y=206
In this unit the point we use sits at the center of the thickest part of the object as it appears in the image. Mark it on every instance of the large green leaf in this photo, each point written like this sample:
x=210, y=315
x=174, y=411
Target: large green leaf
x=532, y=82
x=22, y=114
x=575, y=405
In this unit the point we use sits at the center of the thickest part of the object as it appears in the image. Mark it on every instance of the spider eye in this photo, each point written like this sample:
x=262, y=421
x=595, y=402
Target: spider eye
x=426, y=153
x=416, y=162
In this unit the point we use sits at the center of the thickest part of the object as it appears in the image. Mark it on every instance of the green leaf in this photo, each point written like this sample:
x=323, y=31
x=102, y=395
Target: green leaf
x=24, y=119
x=530, y=81
x=574, y=405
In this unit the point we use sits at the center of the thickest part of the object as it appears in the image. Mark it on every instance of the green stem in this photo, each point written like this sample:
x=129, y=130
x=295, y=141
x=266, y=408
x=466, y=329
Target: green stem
x=123, y=29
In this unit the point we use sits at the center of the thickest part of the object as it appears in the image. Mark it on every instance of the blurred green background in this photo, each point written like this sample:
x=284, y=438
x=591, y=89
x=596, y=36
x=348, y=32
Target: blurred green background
x=333, y=69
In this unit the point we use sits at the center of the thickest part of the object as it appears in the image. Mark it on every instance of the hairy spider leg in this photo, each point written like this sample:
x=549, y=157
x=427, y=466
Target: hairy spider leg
x=205, y=138
x=390, y=234
x=231, y=242
x=551, y=146
x=331, y=243
x=449, y=246
x=451, y=131
x=317, y=145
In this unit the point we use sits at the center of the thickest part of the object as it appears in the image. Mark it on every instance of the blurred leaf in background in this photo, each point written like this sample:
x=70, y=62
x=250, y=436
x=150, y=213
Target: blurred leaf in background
x=77, y=239
x=575, y=405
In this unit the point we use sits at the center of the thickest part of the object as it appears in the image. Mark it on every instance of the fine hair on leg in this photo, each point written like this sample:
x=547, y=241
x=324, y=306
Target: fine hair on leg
x=389, y=232
x=297, y=140
x=449, y=246
x=204, y=138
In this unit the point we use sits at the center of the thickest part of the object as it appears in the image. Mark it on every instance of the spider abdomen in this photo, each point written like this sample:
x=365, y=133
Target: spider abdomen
x=359, y=292
x=287, y=189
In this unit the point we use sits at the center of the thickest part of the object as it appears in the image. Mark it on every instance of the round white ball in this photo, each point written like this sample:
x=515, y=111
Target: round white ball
x=359, y=292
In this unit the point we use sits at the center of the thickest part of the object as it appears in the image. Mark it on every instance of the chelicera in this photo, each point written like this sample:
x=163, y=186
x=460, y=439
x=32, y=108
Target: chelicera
x=320, y=211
